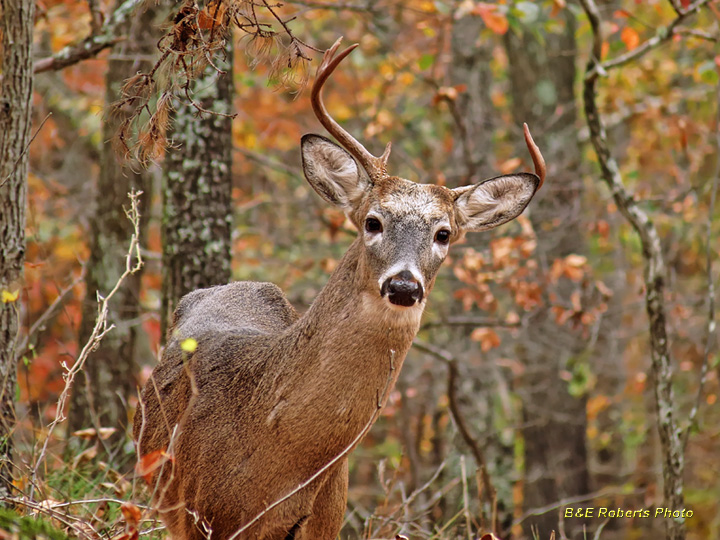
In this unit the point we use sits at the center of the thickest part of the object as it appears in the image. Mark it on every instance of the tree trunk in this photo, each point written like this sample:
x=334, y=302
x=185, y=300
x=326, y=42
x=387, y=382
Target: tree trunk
x=542, y=76
x=15, y=109
x=102, y=389
x=474, y=116
x=197, y=188
x=472, y=111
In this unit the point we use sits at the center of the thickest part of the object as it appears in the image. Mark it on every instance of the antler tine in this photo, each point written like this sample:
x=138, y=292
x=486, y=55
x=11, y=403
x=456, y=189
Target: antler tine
x=375, y=166
x=537, y=157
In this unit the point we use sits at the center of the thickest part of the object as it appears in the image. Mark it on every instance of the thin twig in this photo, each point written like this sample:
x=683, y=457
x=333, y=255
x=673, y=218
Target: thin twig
x=453, y=375
x=47, y=315
x=571, y=501
x=699, y=34
x=17, y=161
x=407, y=502
x=133, y=262
x=67, y=520
x=461, y=320
x=600, y=529
x=711, y=327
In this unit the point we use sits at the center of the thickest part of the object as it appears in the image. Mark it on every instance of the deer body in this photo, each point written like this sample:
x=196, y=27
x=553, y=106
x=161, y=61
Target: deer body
x=272, y=421
x=269, y=398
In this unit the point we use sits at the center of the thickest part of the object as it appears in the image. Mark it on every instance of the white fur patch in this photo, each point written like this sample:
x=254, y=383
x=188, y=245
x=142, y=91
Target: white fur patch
x=389, y=314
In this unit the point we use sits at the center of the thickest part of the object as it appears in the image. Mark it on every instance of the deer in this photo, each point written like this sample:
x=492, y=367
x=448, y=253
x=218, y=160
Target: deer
x=256, y=418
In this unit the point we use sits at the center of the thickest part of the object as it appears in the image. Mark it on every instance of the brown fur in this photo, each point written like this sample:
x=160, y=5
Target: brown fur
x=268, y=397
x=284, y=412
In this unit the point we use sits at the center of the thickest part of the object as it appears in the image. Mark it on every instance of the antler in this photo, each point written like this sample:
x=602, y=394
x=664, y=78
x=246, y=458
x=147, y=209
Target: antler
x=375, y=166
x=537, y=158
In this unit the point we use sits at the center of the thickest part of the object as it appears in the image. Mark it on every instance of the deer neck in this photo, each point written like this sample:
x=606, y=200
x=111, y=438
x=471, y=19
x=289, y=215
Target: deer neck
x=349, y=309
x=348, y=348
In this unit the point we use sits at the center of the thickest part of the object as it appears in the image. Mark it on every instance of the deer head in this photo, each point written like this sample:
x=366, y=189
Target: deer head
x=406, y=228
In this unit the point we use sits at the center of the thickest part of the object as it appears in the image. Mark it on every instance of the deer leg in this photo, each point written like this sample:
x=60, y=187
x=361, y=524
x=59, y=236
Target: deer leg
x=329, y=507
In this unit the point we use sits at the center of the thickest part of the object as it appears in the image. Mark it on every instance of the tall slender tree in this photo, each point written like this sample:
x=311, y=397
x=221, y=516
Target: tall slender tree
x=15, y=108
x=197, y=189
x=472, y=110
x=102, y=389
x=474, y=118
x=542, y=74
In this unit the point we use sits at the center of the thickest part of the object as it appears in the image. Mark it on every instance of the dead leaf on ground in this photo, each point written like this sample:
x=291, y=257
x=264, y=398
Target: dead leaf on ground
x=90, y=433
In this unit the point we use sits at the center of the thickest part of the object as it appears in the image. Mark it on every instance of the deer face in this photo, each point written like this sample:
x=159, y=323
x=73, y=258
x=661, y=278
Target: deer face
x=406, y=228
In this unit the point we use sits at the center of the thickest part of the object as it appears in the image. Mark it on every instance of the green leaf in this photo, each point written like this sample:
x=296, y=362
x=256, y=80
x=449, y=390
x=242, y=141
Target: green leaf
x=426, y=60
x=708, y=72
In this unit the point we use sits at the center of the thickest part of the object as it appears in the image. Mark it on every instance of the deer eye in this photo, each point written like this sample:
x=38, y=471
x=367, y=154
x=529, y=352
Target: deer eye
x=373, y=225
x=442, y=236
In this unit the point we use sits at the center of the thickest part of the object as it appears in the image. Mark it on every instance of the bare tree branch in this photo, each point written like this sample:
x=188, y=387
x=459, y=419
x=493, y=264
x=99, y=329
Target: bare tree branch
x=573, y=501
x=654, y=271
x=662, y=35
x=453, y=375
x=93, y=44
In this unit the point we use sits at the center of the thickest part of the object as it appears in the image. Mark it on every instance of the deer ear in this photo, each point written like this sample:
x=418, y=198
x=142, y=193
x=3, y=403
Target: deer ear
x=332, y=172
x=492, y=202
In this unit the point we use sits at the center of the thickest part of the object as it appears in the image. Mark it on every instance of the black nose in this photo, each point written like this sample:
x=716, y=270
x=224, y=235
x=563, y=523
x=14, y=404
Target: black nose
x=402, y=289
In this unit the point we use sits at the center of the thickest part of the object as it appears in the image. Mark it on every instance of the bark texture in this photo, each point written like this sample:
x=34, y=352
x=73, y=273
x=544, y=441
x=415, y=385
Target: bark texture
x=15, y=109
x=542, y=75
x=473, y=402
x=669, y=429
x=102, y=389
x=472, y=111
x=197, y=188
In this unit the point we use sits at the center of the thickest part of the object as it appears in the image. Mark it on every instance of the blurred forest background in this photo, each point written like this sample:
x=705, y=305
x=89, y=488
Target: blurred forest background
x=564, y=361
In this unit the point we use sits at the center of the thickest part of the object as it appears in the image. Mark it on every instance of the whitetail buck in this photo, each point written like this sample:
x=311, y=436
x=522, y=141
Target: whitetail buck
x=269, y=397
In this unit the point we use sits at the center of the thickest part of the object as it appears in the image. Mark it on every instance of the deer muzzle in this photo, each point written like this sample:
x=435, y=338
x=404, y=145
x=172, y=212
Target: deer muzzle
x=402, y=289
